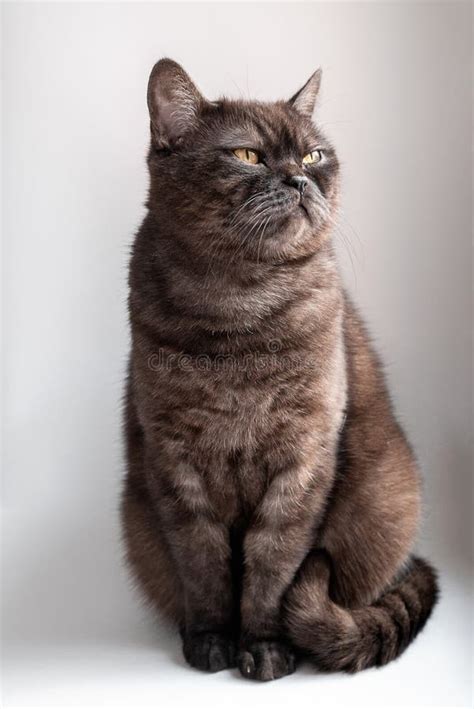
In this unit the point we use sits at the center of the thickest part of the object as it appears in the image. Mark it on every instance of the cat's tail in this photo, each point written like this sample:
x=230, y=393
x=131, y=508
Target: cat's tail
x=343, y=639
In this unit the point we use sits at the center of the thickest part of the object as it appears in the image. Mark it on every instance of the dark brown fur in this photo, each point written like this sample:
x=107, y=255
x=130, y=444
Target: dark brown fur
x=271, y=501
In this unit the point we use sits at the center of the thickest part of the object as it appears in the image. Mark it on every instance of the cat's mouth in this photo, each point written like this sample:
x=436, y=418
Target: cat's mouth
x=295, y=207
x=286, y=212
x=302, y=207
x=275, y=213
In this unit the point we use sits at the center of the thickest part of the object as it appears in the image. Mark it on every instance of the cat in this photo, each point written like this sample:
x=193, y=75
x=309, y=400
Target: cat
x=271, y=499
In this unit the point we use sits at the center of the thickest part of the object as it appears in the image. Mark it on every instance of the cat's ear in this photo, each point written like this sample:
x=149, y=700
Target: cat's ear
x=174, y=103
x=304, y=100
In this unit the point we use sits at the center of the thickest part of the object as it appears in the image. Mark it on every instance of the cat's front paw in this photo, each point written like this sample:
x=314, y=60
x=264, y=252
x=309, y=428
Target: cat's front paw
x=266, y=659
x=211, y=652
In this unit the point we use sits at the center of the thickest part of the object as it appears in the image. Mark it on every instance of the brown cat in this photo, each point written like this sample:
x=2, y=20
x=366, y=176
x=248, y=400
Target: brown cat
x=272, y=500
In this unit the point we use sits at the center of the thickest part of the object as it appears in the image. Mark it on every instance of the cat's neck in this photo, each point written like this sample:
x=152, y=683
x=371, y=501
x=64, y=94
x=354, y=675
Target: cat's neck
x=233, y=296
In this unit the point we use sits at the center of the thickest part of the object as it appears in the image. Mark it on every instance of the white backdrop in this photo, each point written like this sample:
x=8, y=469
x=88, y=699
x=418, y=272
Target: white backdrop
x=396, y=102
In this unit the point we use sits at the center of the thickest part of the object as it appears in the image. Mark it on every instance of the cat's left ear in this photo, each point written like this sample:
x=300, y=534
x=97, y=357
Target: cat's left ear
x=174, y=103
x=305, y=99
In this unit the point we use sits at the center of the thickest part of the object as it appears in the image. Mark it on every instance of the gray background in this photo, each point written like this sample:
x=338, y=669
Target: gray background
x=396, y=101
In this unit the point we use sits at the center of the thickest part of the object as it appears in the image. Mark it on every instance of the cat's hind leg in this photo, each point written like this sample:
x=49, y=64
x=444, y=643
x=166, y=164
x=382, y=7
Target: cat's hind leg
x=147, y=554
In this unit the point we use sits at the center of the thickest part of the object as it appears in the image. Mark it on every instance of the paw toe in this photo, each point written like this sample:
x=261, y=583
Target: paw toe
x=266, y=660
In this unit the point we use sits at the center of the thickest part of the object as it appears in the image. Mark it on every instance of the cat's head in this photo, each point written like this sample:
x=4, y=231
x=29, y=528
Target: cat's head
x=233, y=178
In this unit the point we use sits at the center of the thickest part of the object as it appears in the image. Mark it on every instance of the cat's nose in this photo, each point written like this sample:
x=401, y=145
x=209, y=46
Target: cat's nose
x=298, y=181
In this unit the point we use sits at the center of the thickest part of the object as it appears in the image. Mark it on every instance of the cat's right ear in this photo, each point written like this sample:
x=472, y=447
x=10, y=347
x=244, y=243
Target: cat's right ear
x=174, y=103
x=304, y=100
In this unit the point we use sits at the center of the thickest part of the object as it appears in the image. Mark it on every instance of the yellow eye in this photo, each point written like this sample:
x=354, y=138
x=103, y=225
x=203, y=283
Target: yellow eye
x=247, y=155
x=312, y=158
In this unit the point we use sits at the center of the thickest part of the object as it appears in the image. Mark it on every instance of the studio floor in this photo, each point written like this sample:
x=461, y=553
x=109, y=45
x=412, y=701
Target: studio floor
x=106, y=651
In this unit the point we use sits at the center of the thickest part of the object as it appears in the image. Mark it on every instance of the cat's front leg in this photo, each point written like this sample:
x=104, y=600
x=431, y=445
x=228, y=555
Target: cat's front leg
x=274, y=547
x=200, y=547
x=272, y=556
x=208, y=631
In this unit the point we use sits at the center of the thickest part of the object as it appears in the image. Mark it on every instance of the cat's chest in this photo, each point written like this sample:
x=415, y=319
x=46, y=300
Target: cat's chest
x=212, y=407
x=237, y=424
x=219, y=406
